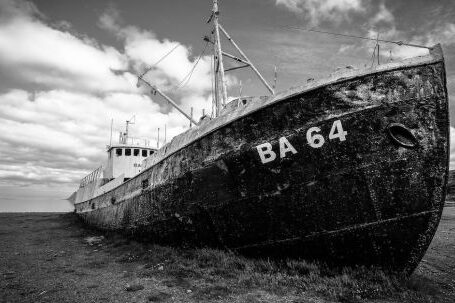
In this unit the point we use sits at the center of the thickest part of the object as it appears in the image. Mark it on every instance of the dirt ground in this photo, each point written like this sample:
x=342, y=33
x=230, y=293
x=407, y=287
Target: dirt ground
x=53, y=258
x=438, y=264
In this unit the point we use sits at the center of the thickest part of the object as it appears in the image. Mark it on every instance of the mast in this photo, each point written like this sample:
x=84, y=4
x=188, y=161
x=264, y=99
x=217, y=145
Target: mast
x=220, y=93
x=126, y=131
x=132, y=120
x=219, y=68
x=110, y=140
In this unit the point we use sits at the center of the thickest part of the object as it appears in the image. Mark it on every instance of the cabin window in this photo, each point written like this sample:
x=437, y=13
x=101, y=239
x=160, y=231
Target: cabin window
x=136, y=152
x=127, y=151
x=151, y=152
x=144, y=153
x=118, y=151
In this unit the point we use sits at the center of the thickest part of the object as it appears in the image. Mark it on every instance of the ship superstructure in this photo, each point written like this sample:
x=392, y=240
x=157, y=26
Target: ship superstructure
x=124, y=161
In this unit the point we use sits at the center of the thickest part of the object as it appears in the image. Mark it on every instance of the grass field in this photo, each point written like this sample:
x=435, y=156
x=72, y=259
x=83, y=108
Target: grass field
x=52, y=258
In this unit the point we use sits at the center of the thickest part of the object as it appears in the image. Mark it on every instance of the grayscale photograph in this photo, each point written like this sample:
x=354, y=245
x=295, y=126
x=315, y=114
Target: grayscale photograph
x=292, y=151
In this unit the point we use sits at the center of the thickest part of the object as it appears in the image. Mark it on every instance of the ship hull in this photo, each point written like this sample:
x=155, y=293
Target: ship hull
x=370, y=190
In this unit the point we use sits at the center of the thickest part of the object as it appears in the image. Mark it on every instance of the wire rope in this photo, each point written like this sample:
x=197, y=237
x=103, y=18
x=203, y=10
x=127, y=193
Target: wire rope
x=159, y=60
x=188, y=76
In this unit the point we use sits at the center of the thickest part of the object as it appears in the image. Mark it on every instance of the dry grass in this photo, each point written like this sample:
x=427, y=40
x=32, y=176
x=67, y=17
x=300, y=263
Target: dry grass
x=52, y=261
x=211, y=275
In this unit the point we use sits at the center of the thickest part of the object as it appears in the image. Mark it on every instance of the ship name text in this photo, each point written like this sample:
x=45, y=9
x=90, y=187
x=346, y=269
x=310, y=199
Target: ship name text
x=314, y=139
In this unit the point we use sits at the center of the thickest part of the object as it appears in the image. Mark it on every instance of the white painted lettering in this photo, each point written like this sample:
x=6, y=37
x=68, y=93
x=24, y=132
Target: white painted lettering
x=337, y=131
x=316, y=140
x=285, y=147
x=265, y=152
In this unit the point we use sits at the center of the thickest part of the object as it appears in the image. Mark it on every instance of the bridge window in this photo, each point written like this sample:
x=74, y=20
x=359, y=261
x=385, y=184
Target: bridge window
x=151, y=152
x=118, y=151
x=136, y=152
x=144, y=153
x=127, y=151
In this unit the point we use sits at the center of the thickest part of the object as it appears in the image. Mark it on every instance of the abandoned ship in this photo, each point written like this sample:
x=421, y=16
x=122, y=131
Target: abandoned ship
x=348, y=169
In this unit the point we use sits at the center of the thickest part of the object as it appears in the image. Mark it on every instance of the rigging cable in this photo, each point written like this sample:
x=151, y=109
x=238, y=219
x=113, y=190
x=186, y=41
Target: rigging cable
x=161, y=59
x=274, y=26
x=187, y=78
x=353, y=36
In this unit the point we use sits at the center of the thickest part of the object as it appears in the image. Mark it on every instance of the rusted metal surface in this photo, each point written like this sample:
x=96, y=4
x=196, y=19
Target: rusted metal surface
x=359, y=197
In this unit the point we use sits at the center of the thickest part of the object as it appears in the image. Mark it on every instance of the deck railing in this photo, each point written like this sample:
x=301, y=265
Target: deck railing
x=96, y=174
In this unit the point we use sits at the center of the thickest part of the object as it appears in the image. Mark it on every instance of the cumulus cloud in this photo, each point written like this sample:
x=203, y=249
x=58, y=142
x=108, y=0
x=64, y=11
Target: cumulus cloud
x=44, y=56
x=65, y=130
x=177, y=73
x=336, y=11
x=171, y=71
x=59, y=89
x=55, y=116
x=323, y=10
x=440, y=34
x=384, y=15
x=383, y=24
x=377, y=19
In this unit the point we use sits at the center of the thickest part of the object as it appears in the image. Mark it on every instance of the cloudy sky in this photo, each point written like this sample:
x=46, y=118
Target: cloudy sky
x=68, y=67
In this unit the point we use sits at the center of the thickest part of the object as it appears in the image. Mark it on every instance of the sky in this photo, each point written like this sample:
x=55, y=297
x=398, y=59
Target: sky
x=68, y=67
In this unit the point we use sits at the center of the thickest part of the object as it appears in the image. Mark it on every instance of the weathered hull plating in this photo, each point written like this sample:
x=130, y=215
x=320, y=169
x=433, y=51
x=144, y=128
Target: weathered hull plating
x=365, y=199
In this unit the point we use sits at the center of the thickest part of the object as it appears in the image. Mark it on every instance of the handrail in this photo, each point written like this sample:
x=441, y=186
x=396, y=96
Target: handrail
x=91, y=176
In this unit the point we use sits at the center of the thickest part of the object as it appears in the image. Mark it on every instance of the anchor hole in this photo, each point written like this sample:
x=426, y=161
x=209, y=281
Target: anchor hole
x=402, y=135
